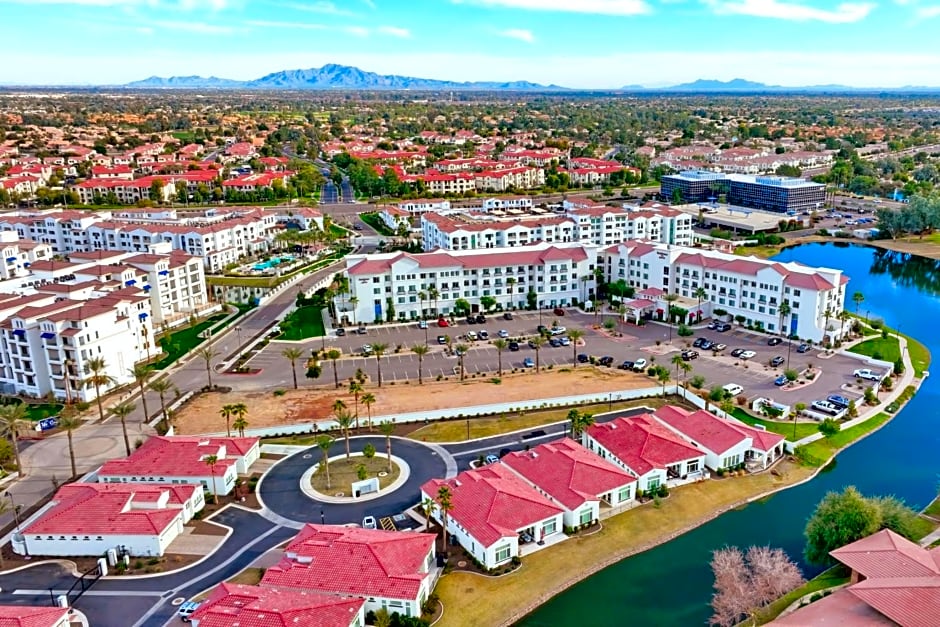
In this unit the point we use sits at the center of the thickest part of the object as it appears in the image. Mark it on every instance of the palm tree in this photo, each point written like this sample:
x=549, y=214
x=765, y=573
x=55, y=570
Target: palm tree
x=141, y=373
x=324, y=442
x=69, y=423
x=333, y=354
x=843, y=316
x=421, y=298
x=227, y=412
x=368, y=399
x=354, y=301
x=537, y=343
x=344, y=420
x=686, y=368
x=677, y=361
x=510, y=282
x=784, y=312
x=122, y=411
x=663, y=377
x=161, y=387
x=339, y=405
x=700, y=294
x=96, y=371
x=858, y=298
x=574, y=335
x=355, y=388
x=427, y=506
x=622, y=316
x=500, y=344
x=461, y=350
x=445, y=505
x=670, y=299
x=579, y=422
x=420, y=350
x=12, y=421
x=433, y=295
x=211, y=461
x=239, y=411
x=386, y=428
x=379, y=351
x=828, y=314
x=208, y=353
x=240, y=424
x=292, y=354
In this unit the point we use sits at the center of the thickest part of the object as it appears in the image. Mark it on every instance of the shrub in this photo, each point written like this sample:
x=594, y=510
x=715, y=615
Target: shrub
x=496, y=380
x=684, y=331
x=829, y=427
x=280, y=392
x=698, y=382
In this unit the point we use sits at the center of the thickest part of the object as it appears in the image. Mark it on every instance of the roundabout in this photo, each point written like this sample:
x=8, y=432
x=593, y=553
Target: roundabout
x=313, y=482
x=286, y=488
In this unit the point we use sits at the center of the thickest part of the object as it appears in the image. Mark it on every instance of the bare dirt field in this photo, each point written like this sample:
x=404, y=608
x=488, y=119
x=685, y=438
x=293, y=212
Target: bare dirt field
x=201, y=414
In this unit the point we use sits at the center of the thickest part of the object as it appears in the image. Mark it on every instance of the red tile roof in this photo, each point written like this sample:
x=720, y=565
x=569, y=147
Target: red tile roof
x=909, y=601
x=257, y=606
x=568, y=472
x=517, y=256
x=493, y=503
x=887, y=554
x=714, y=433
x=177, y=456
x=107, y=509
x=642, y=444
x=26, y=616
x=350, y=560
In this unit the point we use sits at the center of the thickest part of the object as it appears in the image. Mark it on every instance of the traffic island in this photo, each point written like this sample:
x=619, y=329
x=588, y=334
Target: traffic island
x=354, y=479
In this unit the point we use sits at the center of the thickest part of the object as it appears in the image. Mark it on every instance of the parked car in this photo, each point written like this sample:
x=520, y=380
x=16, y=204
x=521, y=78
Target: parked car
x=826, y=407
x=781, y=380
x=774, y=341
x=732, y=388
x=689, y=355
x=712, y=325
x=776, y=361
x=507, y=316
x=737, y=352
x=865, y=373
x=367, y=349
x=186, y=610
x=565, y=340
x=471, y=319
x=422, y=324
x=541, y=329
x=606, y=360
x=558, y=330
x=481, y=318
x=340, y=332
x=525, y=537
x=484, y=335
x=718, y=347
x=802, y=348
x=491, y=459
x=699, y=341
x=723, y=326
x=747, y=354
x=472, y=336
x=558, y=311
x=528, y=362
x=361, y=330
x=627, y=365
x=583, y=358
x=555, y=342
x=368, y=522
x=514, y=346
x=441, y=322
x=503, y=333
x=836, y=399
x=639, y=365
x=532, y=344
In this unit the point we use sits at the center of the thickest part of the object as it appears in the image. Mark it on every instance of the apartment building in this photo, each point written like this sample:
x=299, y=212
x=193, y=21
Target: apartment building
x=389, y=284
x=16, y=255
x=743, y=286
x=777, y=194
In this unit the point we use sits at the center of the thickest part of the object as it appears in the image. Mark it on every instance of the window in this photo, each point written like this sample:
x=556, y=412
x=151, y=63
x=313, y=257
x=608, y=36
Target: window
x=502, y=554
x=623, y=494
x=585, y=517
x=652, y=484
x=692, y=466
x=549, y=527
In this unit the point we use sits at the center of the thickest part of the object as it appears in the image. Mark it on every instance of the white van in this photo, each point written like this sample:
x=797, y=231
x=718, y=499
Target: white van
x=732, y=388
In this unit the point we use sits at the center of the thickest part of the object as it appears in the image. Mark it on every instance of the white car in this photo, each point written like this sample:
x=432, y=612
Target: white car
x=865, y=373
x=186, y=610
x=566, y=341
x=747, y=354
x=472, y=335
x=368, y=522
x=503, y=333
x=558, y=330
x=732, y=388
x=639, y=364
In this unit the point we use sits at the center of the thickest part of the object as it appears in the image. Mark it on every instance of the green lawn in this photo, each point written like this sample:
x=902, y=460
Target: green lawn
x=835, y=576
x=302, y=323
x=274, y=281
x=816, y=453
x=179, y=342
x=934, y=508
x=184, y=136
x=785, y=429
x=36, y=411
x=888, y=349
x=373, y=220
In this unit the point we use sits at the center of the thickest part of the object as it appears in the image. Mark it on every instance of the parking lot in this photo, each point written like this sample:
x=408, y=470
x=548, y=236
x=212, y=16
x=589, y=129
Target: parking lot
x=755, y=375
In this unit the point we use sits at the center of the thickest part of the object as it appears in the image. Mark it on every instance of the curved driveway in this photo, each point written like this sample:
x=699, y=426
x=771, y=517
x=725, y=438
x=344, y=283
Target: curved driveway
x=280, y=487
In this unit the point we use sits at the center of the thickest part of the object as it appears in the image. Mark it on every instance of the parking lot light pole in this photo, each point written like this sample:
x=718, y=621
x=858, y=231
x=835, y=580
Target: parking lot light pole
x=16, y=520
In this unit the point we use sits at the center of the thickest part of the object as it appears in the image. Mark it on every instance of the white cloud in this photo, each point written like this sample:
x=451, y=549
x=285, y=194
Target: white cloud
x=358, y=31
x=324, y=7
x=518, y=33
x=601, y=7
x=927, y=13
x=844, y=13
x=274, y=24
x=200, y=28
x=395, y=31
x=370, y=4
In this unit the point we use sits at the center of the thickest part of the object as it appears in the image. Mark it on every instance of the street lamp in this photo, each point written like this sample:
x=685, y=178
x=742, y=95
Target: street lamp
x=16, y=520
x=238, y=331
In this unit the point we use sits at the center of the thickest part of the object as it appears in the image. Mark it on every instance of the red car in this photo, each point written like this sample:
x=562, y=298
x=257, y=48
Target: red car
x=441, y=322
x=558, y=311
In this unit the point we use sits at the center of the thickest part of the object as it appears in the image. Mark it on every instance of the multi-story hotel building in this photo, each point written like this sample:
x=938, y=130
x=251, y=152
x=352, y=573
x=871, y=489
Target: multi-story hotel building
x=769, y=193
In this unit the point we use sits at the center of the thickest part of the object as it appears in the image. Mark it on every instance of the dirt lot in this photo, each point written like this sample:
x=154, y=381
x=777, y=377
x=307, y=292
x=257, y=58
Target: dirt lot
x=201, y=415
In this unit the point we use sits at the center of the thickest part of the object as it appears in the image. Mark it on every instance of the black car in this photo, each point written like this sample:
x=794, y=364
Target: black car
x=606, y=360
x=340, y=332
x=802, y=348
x=627, y=365
x=774, y=341
x=514, y=346
x=555, y=342
x=471, y=320
x=689, y=355
x=583, y=358
x=481, y=318
x=507, y=316
x=737, y=352
x=776, y=361
x=542, y=329
x=699, y=341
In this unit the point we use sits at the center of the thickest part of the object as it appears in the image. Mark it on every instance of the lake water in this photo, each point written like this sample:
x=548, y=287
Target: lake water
x=672, y=584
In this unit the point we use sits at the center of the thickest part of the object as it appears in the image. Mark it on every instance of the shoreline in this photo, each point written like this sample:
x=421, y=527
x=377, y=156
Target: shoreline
x=928, y=250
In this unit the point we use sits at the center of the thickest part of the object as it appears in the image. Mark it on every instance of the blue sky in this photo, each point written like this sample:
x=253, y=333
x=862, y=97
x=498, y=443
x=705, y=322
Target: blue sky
x=575, y=43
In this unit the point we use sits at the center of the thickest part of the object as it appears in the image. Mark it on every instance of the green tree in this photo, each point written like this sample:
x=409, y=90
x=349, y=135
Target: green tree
x=333, y=355
x=344, y=421
x=227, y=411
x=840, y=519
x=387, y=428
x=368, y=451
x=461, y=307
x=12, y=422
x=355, y=388
x=461, y=350
x=378, y=351
x=574, y=335
x=500, y=345
x=162, y=387
x=368, y=399
x=858, y=298
x=211, y=461
x=663, y=377
x=122, y=411
x=96, y=376
x=829, y=427
x=207, y=353
x=420, y=350
x=487, y=302
x=579, y=421
x=445, y=505
x=240, y=424
x=141, y=373
x=324, y=442
x=427, y=507
x=537, y=343
x=292, y=354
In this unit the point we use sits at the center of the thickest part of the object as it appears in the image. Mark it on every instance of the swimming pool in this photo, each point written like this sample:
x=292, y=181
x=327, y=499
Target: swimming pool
x=273, y=261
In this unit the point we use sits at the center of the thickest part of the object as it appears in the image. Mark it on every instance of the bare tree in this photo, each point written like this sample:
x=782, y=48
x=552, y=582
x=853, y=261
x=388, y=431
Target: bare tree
x=746, y=582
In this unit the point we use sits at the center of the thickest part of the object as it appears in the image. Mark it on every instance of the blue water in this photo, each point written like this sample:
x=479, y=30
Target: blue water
x=672, y=584
x=273, y=261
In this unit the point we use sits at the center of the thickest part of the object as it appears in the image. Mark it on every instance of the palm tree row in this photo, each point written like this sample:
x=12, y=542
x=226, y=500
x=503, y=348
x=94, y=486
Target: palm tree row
x=237, y=411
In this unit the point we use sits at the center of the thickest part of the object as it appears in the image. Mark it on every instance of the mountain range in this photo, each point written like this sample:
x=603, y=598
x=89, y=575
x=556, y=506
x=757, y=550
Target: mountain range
x=344, y=77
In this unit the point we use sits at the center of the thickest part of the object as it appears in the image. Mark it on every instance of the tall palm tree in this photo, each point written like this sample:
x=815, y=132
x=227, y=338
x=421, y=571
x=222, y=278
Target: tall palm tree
x=344, y=420
x=784, y=311
x=240, y=424
x=579, y=422
x=461, y=350
x=333, y=354
x=510, y=283
x=686, y=368
x=339, y=405
x=670, y=299
x=427, y=506
x=12, y=421
x=355, y=388
x=354, y=301
x=141, y=373
x=96, y=376
x=663, y=377
x=324, y=442
x=421, y=298
x=227, y=412
x=161, y=387
x=677, y=361
x=445, y=504
x=292, y=354
x=420, y=350
x=69, y=423
x=500, y=345
x=433, y=295
x=700, y=294
x=122, y=411
x=574, y=335
x=537, y=343
x=378, y=350
x=368, y=399
x=211, y=461
x=858, y=298
x=207, y=353
x=386, y=428
x=239, y=411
